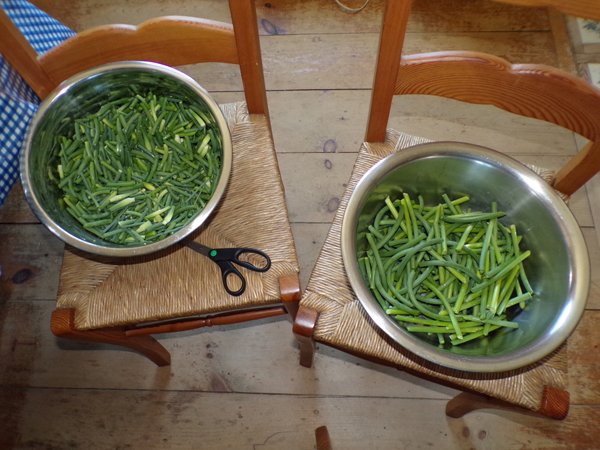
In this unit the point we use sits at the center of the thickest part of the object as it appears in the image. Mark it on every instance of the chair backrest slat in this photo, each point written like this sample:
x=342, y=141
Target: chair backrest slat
x=171, y=40
x=590, y=9
x=530, y=90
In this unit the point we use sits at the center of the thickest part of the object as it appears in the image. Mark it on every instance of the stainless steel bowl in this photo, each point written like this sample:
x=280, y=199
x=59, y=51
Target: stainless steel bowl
x=82, y=94
x=558, y=268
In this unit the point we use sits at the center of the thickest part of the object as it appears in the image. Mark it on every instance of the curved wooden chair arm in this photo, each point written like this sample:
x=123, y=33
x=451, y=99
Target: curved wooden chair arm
x=530, y=90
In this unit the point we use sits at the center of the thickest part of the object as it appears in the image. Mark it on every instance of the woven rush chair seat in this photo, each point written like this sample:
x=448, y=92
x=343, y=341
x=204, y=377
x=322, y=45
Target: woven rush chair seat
x=341, y=321
x=180, y=282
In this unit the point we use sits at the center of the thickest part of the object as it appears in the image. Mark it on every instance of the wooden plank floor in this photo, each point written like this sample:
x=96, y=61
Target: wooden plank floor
x=240, y=387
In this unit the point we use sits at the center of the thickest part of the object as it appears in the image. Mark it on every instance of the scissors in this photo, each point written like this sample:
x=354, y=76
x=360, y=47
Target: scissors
x=227, y=257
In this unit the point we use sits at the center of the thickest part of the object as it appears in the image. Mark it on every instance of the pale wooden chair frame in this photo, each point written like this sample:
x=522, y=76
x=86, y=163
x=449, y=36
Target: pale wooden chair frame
x=197, y=41
x=472, y=77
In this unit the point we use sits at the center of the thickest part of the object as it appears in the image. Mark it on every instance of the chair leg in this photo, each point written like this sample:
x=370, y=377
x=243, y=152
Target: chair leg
x=289, y=288
x=554, y=404
x=322, y=438
x=304, y=326
x=62, y=325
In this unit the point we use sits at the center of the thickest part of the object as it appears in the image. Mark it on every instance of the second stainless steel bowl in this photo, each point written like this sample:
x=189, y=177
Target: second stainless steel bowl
x=558, y=268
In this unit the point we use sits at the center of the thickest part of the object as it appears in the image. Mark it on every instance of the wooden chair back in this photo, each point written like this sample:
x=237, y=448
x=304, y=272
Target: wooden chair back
x=529, y=90
x=589, y=9
x=172, y=40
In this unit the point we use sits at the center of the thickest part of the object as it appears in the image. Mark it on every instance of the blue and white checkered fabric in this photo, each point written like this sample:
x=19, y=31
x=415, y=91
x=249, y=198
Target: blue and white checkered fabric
x=18, y=103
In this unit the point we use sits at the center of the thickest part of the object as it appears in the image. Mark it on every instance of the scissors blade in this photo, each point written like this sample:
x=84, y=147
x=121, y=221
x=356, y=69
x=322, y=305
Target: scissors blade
x=197, y=247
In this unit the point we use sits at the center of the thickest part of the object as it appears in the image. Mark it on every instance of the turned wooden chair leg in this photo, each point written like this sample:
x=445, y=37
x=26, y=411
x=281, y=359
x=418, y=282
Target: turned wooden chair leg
x=62, y=325
x=322, y=438
x=304, y=326
x=554, y=404
x=289, y=288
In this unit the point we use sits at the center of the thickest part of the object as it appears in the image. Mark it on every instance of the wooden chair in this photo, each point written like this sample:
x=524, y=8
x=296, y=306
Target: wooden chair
x=124, y=302
x=330, y=313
